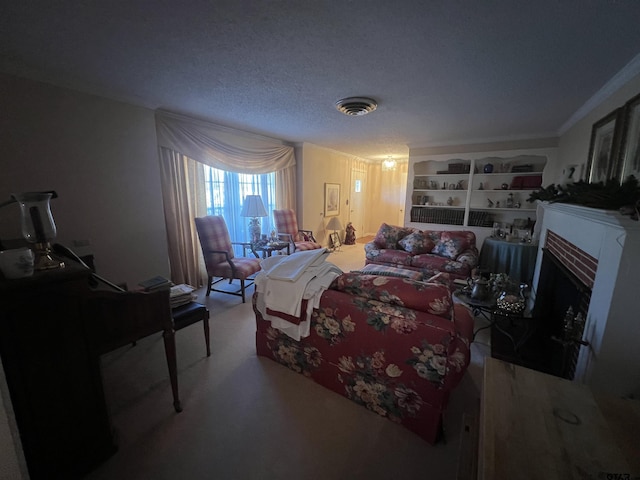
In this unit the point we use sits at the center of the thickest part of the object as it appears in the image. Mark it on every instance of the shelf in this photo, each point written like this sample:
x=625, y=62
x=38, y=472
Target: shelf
x=427, y=187
x=494, y=190
x=451, y=207
x=443, y=190
x=443, y=175
x=502, y=209
x=514, y=174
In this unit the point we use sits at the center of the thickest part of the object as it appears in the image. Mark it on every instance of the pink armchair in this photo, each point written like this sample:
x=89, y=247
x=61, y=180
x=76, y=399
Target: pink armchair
x=287, y=228
x=219, y=257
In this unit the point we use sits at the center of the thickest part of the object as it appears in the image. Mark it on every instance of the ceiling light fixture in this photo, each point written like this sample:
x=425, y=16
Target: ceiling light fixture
x=356, y=105
x=389, y=164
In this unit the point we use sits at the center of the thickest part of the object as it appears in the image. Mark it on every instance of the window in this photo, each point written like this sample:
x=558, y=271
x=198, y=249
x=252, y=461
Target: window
x=225, y=192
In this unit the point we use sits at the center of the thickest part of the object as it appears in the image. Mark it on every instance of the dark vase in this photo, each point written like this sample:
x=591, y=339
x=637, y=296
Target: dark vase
x=488, y=168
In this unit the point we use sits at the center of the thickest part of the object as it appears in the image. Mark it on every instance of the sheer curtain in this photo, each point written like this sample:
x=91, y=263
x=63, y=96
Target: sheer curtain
x=183, y=140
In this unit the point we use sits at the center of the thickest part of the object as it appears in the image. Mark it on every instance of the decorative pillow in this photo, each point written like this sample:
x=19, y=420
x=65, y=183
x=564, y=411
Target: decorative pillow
x=416, y=243
x=452, y=244
x=388, y=235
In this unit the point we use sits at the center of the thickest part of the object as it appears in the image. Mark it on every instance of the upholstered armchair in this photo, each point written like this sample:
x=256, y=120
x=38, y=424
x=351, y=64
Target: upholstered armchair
x=219, y=258
x=287, y=228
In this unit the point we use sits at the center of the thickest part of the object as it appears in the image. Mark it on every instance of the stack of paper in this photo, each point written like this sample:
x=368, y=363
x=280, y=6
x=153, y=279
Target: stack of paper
x=181, y=295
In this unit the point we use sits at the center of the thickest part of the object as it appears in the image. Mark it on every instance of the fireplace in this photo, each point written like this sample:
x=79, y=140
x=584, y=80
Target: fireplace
x=552, y=337
x=595, y=267
x=562, y=305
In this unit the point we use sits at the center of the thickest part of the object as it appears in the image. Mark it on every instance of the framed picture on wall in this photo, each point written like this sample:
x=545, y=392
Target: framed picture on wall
x=331, y=199
x=603, y=151
x=630, y=151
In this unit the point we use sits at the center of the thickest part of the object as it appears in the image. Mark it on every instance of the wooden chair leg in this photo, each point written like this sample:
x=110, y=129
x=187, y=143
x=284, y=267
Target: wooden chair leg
x=170, y=351
x=210, y=279
x=205, y=322
x=242, y=289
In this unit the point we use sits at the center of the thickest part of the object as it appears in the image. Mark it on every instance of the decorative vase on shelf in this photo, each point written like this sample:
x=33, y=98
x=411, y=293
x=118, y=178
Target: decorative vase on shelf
x=488, y=168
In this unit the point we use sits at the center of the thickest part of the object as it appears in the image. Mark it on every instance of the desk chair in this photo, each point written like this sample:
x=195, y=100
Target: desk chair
x=188, y=314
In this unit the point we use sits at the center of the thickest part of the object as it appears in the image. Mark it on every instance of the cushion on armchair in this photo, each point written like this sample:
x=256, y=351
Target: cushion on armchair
x=425, y=297
x=389, y=235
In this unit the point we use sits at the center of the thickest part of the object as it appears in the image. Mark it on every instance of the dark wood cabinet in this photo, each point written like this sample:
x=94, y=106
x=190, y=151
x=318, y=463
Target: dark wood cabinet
x=53, y=377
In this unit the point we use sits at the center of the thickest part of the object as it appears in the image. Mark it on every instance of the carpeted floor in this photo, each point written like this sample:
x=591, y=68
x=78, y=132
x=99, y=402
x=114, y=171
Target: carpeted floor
x=246, y=417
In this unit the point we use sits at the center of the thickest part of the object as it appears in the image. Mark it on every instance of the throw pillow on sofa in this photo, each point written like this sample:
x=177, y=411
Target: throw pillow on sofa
x=417, y=243
x=389, y=235
x=452, y=244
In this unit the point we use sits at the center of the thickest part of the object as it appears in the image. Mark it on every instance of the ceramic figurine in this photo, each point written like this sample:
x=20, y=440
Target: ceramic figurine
x=350, y=235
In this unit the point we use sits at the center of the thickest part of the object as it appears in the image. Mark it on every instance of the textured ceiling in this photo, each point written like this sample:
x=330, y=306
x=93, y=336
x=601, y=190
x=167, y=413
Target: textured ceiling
x=442, y=72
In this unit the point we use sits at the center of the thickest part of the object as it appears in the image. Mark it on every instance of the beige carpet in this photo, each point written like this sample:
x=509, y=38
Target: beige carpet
x=246, y=417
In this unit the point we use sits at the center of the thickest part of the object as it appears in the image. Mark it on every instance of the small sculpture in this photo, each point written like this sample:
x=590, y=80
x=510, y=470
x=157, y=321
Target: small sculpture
x=489, y=203
x=350, y=235
x=450, y=201
x=480, y=187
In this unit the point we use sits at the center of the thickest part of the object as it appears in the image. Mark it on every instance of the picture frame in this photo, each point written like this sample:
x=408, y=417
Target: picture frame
x=629, y=162
x=331, y=199
x=335, y=240
x=603, y=149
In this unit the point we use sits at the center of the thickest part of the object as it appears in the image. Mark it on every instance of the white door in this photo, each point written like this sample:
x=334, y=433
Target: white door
x=356, y=201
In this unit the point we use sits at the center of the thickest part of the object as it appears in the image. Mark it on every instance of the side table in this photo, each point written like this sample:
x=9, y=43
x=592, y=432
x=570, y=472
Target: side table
x=268, y=248
x=516, y=259
x=496, y=317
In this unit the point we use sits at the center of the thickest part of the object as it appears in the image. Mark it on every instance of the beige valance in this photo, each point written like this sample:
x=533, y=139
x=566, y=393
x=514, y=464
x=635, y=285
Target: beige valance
x=222, y=147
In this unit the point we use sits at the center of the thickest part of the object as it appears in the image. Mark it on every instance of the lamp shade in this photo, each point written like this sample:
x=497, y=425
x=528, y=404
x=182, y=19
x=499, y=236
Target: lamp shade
x=334, y=224
x=253, y=207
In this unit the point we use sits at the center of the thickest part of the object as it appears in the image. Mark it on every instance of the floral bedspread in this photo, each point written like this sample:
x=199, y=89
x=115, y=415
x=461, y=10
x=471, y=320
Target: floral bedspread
x=393, y=345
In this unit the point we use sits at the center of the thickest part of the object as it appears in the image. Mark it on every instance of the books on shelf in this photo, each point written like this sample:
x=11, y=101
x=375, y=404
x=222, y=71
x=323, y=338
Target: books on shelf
x=156, y=283
x=181, y=295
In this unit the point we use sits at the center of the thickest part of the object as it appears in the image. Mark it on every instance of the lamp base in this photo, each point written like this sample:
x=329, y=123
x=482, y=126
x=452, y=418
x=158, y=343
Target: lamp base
x=43, y=259
x=255, y=229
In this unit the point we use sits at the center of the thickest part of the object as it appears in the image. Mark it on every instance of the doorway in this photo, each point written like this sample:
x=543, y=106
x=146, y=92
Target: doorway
x=357, y=208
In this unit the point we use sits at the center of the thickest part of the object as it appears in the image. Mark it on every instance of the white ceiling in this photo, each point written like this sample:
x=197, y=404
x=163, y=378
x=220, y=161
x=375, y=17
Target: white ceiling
x=443, y=72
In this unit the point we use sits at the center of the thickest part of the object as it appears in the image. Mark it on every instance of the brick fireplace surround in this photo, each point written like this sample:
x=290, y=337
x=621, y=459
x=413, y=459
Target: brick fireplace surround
x=602, y=248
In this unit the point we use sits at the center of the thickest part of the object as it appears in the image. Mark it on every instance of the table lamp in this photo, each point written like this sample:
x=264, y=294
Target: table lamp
x=253, y=208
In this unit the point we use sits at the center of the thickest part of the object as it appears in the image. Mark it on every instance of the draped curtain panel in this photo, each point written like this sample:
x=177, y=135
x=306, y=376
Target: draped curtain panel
x=184, y=199
x=183, y=140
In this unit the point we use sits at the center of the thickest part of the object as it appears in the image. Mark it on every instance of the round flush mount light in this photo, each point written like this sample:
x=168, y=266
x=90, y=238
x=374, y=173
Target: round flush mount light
x=356, y=105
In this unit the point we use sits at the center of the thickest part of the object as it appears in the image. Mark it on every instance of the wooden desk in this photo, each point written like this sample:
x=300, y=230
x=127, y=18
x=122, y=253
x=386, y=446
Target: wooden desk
x=536, y=426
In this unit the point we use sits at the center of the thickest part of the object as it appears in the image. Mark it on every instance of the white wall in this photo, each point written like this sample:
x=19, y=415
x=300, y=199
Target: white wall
x=101, y=158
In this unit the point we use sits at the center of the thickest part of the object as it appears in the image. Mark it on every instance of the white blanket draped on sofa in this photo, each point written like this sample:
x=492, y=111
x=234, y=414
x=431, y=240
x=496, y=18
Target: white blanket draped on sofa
x=285, y=281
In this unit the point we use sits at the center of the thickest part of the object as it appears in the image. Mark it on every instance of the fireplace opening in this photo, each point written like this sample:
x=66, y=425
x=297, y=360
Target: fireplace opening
x=554, y=329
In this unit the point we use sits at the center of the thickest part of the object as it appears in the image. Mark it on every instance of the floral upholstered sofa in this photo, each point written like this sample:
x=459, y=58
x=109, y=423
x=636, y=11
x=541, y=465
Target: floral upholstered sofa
x=426, y=251
x=393, y=345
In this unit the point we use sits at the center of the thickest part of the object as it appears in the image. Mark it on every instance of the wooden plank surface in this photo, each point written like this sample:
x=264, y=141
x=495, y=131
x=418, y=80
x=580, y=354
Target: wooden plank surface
x=536, y=426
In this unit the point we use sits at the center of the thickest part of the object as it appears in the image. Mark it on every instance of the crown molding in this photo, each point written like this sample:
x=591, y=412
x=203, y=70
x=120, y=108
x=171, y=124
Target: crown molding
x=631, y=70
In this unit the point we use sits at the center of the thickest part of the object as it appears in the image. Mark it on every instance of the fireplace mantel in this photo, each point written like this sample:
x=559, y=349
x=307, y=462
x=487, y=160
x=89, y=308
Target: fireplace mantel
x=610, y=362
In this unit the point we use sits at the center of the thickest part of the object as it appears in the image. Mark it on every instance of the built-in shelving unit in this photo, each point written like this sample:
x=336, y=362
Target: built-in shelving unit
x=474, y=189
